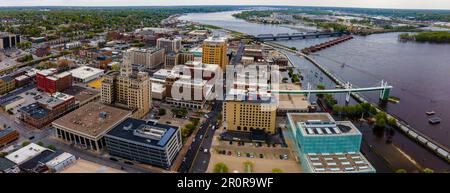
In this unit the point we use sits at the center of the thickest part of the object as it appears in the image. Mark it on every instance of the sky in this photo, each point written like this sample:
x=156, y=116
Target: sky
x=401, y=4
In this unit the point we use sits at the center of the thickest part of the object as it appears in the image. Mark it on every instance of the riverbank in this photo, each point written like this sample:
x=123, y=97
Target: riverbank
x=369, y=59
x=438, y=149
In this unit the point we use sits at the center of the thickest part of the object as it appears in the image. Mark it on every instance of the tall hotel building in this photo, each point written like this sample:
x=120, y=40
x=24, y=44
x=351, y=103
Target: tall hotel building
x=129, y=89
x=215, y=51
x=150, y=58
x=169, y=44
x=250, y=109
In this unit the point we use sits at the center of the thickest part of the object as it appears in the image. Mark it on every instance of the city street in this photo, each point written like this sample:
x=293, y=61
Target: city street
x=195, y=159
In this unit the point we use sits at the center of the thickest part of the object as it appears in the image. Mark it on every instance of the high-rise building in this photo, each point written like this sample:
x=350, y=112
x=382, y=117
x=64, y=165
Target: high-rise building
x=8, y=40
x=169, y=44
x=150, y=58
x=215, y=51
x=128, y=88
x=247, y=110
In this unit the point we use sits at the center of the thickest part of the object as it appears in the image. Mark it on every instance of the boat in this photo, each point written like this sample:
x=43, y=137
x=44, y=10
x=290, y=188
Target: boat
x=434, y=120
x=430, y=112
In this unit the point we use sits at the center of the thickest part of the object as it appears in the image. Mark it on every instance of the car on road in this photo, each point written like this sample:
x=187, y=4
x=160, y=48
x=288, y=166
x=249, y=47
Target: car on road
x=113, y=159
x=201, y=136
x=31, y=138
x=238, y=154
x=248, y=154
x=231, y=142
x=205, y=150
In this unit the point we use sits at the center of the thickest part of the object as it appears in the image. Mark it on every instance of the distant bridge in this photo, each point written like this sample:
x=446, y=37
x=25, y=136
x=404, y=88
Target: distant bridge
x=298, y=35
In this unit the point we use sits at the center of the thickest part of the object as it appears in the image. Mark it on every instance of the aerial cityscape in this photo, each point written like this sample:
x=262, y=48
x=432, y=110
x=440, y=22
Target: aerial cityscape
x=117, y=87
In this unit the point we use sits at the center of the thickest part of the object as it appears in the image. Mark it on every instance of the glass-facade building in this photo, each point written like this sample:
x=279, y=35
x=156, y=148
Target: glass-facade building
x=324, y=145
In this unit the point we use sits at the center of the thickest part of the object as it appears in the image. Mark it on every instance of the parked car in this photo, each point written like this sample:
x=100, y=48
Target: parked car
x=238, y=154
x=261, y=155
x=229, y=153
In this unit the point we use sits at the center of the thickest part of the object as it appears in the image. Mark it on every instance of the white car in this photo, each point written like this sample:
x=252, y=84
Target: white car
x=205, y=150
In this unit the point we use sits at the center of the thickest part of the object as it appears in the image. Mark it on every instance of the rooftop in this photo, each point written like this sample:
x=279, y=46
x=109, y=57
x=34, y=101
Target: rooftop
x=319, y=124
x=144, y=50
x=85, y=72
x=291, y=101
x=35, y=110
x=25, y=153
x=6, y=164
x=215, y=39
x=338, y=162
x=93, y=119
x=54, y=100
x=80, y=93
x=140, y=131
x=6, y=131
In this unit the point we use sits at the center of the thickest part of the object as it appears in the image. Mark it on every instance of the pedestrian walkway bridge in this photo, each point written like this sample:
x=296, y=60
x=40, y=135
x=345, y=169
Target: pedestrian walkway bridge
x=384, y=89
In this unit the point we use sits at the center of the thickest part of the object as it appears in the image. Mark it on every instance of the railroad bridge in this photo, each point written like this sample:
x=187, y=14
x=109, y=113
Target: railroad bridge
x=280, y=36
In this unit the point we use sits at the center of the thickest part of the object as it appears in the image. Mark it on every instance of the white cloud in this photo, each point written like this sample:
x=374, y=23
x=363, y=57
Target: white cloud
x=411, y=4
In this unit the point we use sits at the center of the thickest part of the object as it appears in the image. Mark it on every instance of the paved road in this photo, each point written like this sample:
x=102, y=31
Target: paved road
x=195, y=159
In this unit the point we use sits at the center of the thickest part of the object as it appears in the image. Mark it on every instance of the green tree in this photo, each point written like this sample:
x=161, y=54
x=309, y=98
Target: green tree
x=52, y=147
x=25, y=143
x=220, y=168
x=3, y=154
x=161, y=112
x=40, y=143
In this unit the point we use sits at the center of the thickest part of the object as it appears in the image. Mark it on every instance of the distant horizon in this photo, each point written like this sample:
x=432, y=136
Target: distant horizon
x=207, y=5
x=371, y=4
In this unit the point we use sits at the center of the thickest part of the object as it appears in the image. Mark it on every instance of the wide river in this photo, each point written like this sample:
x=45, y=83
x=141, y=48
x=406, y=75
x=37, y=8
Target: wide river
x=419, y=73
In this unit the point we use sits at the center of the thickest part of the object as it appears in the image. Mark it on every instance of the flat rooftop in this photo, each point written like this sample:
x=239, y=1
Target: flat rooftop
x=319, y=124
x=35, y=110
x=86, y=72
x=292, y=101
x=25, y=153
x=338, y=162
x=6, y=131
x=140, y=131
x=55, y=99
x=93, y=119
x=80, y=93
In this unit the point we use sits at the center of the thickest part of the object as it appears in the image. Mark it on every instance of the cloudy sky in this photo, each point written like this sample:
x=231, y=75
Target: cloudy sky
x=407, y=4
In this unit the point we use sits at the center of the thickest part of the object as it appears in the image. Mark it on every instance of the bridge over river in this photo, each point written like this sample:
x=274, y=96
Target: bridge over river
x=279, y=36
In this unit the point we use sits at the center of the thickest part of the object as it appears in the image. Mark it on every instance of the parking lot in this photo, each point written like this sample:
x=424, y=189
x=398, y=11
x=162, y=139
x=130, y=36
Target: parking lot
x=263, y=157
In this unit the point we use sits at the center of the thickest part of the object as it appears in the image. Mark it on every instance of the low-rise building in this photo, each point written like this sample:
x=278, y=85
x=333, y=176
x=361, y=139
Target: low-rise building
x=7, y=135
x=47, y=109
x=86, y=126
x=7, y=84
x=147, y=142
x=86, y=74
x=60, y=162
x=48, y=81
x=7, y=166
x=25, y=153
